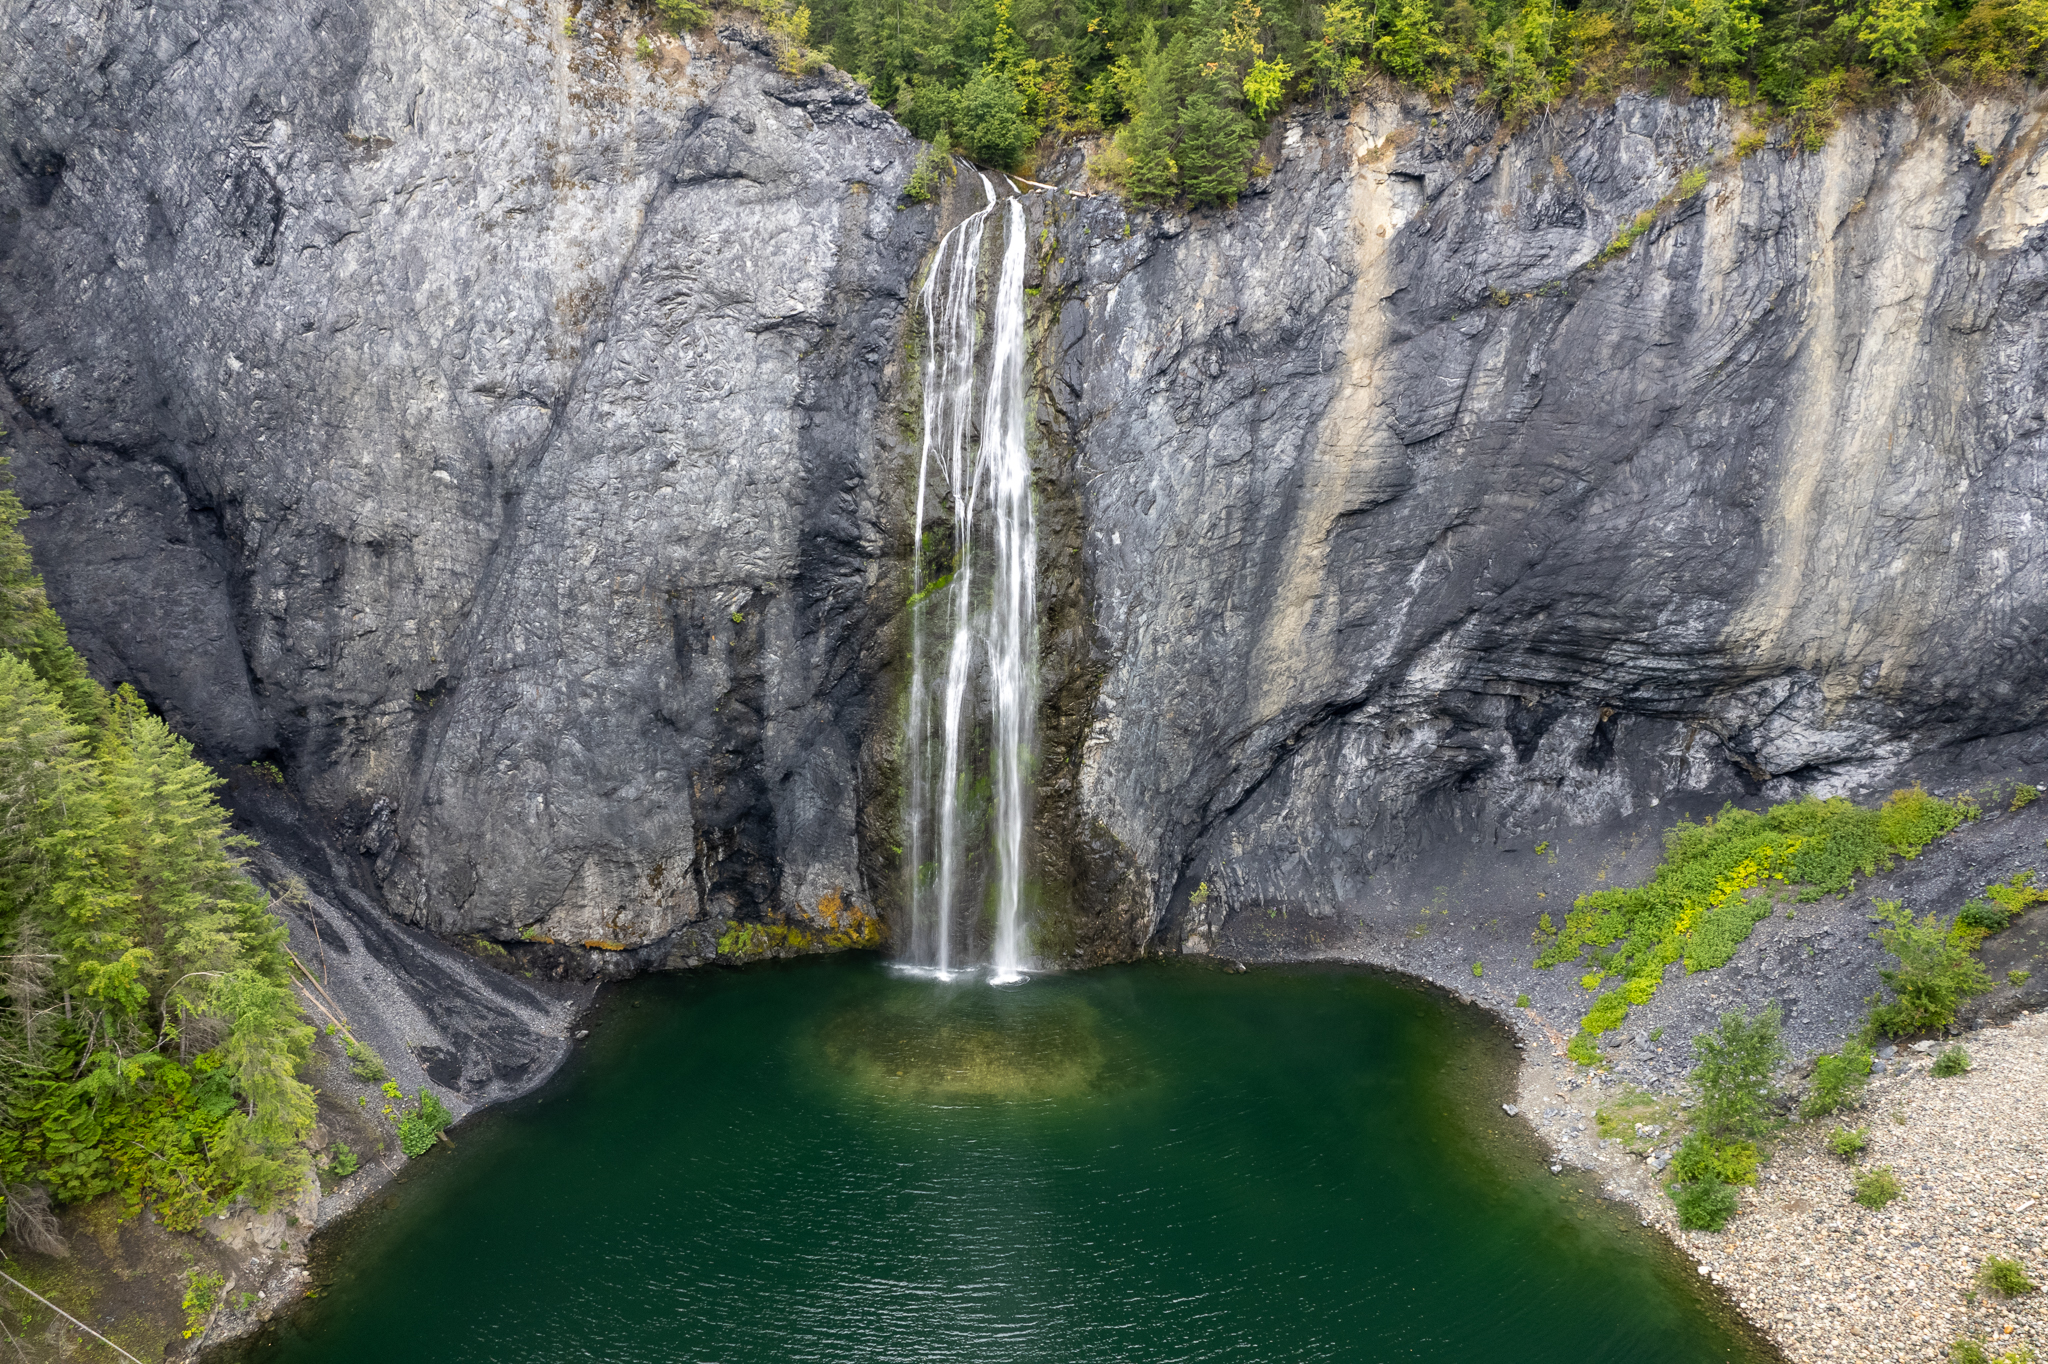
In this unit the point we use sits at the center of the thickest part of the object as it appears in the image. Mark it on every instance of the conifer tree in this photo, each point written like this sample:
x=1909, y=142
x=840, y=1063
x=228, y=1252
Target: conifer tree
x=1148, y=143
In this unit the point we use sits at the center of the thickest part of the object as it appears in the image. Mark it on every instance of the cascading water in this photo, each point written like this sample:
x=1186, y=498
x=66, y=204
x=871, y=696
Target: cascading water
x=974, y=614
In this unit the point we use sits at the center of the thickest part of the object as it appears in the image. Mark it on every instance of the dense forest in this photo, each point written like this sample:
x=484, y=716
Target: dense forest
x=1188, y=85
x=149, y=1036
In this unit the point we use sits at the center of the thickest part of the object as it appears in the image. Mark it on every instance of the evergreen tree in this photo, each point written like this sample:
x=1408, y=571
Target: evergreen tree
x=1147, y=144
x=128, y=924
x=1215, y=150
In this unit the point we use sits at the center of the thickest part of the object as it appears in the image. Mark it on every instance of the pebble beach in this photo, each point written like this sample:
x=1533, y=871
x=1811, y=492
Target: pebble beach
x=1830, y=1281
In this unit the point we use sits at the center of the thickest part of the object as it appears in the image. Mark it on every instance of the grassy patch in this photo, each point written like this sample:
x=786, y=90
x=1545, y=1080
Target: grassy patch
x=1638, y=1119
x=1721, y=877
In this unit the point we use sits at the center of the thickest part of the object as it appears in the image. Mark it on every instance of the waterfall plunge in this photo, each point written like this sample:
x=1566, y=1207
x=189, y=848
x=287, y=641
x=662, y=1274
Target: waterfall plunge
x=974, y=618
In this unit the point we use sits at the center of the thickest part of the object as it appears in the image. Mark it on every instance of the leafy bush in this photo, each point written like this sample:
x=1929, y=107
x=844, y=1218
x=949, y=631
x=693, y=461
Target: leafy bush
x=1521, y=1001
x=2018, y=977
x=1733, y=1082
x=933, y=166
x=1478, y=969
x=1849, y=1142
x=1983, y=915
x=1876, y=1187
x=1838, y=1080
x=1701, y=1158
x=2006, y=1278
x=202, y=1291
x=1705, y=1206
x=2024, y=795
x=345, y=1162
x=1952, y=1061
x=417, y=1129
x=1583, y=1050
x=1933, y=977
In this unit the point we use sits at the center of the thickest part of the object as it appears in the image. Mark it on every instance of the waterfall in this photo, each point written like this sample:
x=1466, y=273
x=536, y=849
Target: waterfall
x=974, y=614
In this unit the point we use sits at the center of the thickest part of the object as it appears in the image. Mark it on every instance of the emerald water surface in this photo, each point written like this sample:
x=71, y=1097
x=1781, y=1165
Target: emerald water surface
x=829, y=1161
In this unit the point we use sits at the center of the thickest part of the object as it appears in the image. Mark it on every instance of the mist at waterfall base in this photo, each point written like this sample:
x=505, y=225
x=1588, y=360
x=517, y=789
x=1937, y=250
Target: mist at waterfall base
x=832, y=1160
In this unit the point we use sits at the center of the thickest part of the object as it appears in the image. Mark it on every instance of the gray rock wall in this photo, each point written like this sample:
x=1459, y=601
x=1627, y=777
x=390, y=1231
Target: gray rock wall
x=506, y=435
x=478, y=419
x=1415, y=528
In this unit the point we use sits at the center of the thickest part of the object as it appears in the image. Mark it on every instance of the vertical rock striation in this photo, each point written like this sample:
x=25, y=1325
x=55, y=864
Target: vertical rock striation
x=1420, y=521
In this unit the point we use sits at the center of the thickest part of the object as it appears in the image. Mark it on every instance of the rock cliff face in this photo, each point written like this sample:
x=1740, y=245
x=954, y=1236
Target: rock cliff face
x=1420, y=524
x=505, y=435
x=478, y=420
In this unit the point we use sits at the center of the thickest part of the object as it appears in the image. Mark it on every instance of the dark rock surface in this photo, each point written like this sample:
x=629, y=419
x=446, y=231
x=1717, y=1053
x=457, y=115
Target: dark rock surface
x=481, y=423
x=506, y=437
x=1415, y=528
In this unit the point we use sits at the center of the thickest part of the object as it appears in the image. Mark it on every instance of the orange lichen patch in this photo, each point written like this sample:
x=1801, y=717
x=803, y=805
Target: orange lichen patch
x=847, y=925
x=604, y=945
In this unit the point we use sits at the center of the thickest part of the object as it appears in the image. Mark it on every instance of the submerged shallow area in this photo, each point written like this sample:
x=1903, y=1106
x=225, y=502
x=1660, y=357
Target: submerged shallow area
x=828, y=1160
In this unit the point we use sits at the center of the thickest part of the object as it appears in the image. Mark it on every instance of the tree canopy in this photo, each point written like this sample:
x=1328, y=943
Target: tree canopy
x=149, y=1038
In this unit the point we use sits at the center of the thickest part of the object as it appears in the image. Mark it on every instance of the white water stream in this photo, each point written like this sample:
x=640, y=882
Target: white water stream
x=974, y=614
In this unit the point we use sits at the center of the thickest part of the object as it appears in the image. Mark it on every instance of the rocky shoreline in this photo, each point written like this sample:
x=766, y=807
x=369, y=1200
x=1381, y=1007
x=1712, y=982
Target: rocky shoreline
x=1824, y=1278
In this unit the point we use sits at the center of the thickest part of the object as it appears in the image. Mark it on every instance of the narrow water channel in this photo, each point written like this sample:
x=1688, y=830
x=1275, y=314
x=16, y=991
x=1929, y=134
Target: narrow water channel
x=829, y=1161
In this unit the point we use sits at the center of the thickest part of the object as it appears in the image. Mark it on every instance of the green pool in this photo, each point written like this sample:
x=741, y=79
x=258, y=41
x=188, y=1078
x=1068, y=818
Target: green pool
x=831, y=1161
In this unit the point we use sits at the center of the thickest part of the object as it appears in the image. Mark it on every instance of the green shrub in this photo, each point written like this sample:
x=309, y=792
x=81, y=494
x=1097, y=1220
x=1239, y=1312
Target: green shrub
x=1522, y=1001
x=1705, y=1206
x=2006, y=1278
x=1933, y=977
x=1692, y=182
x=1478, y=969
x=2024, y=795
x=344, y=1162
x=2018, y=977
x=1876, y=1187
x=1983, y=915
x=684, y=16
x=417, y=1129
x=1952, y=1061
x=1701, y=1158
x=1838, y=1080
x=1583, y=1050
x=363, y=1063
x=1849, y=1142
x=202, y=1291
x=934, y=165
x=1733, y=1082
x=1967, y=1352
